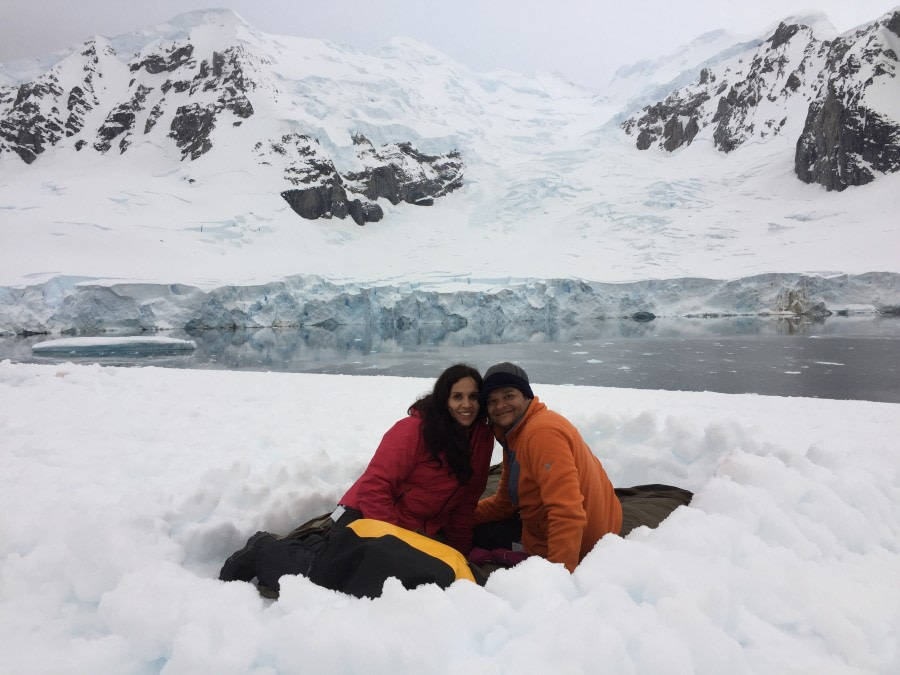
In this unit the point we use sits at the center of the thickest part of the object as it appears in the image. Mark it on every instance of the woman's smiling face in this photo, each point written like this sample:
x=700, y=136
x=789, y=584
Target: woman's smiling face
x=463, y=401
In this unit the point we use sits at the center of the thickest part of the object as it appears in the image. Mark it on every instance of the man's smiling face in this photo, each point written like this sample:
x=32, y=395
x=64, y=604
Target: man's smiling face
x=506, y=405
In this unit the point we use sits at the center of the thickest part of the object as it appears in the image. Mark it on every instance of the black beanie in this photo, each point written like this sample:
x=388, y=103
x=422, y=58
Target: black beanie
x=506, y=375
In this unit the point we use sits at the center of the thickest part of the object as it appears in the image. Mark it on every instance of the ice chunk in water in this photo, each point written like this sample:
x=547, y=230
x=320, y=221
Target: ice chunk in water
x=113, y=346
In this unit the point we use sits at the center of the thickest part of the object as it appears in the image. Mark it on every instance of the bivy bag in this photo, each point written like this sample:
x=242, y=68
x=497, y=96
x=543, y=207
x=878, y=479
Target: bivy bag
x=359, y=558
x=642, y=506
x=294, y=552
x=649, y=505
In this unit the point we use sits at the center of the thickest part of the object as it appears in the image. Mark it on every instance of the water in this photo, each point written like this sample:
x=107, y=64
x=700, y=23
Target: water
x=841, y=357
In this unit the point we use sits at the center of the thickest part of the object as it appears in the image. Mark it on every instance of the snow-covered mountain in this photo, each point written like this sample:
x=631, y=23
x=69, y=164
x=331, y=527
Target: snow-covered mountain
x=837, y=99
x=652, y=79
x=181, y=91
x=202, y=154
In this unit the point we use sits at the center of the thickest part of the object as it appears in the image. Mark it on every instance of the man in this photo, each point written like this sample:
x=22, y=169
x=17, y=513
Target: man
x=550, y=477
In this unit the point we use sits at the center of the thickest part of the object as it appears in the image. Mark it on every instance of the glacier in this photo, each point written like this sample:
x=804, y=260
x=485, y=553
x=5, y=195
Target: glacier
x=79, y=307
x=791, y=542
x=128, y=223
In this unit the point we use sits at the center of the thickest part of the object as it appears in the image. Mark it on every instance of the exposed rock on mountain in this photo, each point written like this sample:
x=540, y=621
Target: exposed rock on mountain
x=744, y=97
x=396, y=172
x=853, y=129
x=846, y=87
x=194, y=151
x=121, y=121
x=166, y=82
x=400, y=173
x=648, y=80
x=39, y=114
x=330, y=200
x=174, y=91
x=198, y=97
x=172, y=59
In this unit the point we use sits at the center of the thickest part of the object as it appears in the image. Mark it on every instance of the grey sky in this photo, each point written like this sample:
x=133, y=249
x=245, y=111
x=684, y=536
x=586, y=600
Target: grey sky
x=584, y=40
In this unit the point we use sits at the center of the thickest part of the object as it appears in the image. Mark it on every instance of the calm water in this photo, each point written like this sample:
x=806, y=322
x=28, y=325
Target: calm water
x=841, y=357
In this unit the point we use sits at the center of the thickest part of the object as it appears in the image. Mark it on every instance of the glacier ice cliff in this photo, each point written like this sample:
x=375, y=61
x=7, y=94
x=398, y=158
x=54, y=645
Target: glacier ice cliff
x=73, y=306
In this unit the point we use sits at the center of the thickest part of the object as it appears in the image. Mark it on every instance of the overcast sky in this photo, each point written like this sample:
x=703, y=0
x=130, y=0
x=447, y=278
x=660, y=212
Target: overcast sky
x=584, y=40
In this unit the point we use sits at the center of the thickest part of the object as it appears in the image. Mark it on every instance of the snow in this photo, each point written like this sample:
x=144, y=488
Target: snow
x=552, y=187
x=122, y=491
x=651, y=79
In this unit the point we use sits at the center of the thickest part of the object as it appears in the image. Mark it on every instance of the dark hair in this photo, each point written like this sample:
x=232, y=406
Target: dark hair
x=442, y=434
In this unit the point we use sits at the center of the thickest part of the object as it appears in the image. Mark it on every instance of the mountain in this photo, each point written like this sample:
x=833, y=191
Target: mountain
x=178, y=91
x=836, y=99
x=651, y=79
x=202, y=154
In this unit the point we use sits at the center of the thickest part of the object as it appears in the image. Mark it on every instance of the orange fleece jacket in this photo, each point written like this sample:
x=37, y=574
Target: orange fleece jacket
x=565, y=499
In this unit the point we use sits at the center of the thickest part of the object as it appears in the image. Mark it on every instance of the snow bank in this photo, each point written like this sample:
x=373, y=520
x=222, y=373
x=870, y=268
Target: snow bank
x=123, y=490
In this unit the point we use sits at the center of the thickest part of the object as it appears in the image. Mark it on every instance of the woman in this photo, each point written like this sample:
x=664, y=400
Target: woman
x=427, y=475
x=431, y=467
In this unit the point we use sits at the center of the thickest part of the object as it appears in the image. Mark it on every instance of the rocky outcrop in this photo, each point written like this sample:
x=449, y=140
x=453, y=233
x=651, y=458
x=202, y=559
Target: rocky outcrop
x=674, y=121
x=180, y=97
x=400, y=173
x=396, y=172
x=166, y=62
x=224, y=76
x=320, y=190
x=165, y=83
x=331, y=201
x=746, y=97
x=850, y=134
x=27, y=131
x=121, y=121
x=78, y=106
x=35, y=116
x=851, y=127
x=844, y=144
x=191, y=128
x=191, y=122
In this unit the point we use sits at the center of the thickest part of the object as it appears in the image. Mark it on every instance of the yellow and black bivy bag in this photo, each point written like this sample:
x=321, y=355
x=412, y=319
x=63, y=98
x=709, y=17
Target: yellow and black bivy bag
x=359, y=558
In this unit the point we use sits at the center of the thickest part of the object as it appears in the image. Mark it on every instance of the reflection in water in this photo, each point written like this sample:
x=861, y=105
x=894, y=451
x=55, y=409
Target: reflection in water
x=841, y=357
x=275, y=348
